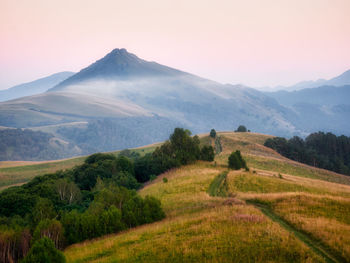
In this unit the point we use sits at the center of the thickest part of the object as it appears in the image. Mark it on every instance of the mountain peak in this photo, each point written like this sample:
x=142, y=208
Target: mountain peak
x=119, y=64
x=120, y=56
x=118, y=51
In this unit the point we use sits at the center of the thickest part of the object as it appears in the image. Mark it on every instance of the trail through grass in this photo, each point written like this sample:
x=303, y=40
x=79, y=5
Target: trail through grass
x=328, y=254
x=198, y=228
x=218, y=186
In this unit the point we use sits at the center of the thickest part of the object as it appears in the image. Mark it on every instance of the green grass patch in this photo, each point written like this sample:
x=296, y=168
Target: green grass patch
x=282, y=166
x=218, y=186
x=247, y=182
x=324, y=220
x=21, y=174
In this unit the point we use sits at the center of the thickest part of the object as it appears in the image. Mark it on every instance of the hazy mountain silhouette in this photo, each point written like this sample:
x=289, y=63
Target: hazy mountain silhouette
x=126, y=101
x=119, y=64
x=341, y=80
x=323, y=108
x=34, y=87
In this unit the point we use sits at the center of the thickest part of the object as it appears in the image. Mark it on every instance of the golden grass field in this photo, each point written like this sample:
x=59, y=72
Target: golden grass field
x=279, y=211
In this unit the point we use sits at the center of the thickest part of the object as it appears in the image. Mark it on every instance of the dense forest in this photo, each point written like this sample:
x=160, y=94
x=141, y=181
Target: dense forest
x=323, y=150
x=90, y=200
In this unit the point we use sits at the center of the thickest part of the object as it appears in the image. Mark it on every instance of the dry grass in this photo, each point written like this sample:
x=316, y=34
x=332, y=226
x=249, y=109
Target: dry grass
x=261, y=157
x=262, y=181
x=326, y=218
x=198, y=228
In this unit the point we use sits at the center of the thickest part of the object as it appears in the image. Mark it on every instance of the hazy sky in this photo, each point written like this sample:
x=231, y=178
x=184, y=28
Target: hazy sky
x=254, y=42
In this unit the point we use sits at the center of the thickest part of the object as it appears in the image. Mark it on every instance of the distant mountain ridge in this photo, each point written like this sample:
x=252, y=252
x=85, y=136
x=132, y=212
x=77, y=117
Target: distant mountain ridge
x=323, y=95
x=319, y=107
x=341, y=80
x=34, y=87
x=126, y=101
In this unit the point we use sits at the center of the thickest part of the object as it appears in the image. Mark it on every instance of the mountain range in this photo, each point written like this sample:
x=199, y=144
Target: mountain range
x=123, y=101
x=34, y=87
x=341, y=80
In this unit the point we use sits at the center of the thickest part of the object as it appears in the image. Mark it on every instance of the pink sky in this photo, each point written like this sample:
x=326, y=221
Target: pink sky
x=254, y=42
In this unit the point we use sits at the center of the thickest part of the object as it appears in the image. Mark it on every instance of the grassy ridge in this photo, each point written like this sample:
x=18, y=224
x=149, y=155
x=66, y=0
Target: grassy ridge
x=324, y=218
x=198, y=228
x=202, y=228
x=318, y=212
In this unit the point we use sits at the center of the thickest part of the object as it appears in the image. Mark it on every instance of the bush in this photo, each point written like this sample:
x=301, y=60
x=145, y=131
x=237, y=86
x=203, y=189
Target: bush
x=165, y=180
x=233, y=162
x=212, y=133
x=207, y=153
x=44, y=251
x=241, y=128
x=236, y=161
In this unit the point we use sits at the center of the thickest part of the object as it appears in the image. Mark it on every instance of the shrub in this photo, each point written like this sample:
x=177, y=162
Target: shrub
x=207, y=153
x=213, y=133
x=165, y=180
x=241, y=128
x=236, y=161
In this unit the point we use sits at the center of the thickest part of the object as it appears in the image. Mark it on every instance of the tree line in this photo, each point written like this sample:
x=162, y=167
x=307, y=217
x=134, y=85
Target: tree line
x=323, y=150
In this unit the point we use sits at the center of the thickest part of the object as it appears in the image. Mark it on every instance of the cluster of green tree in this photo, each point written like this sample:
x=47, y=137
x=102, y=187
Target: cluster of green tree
x=90, y=200
x=236, y=161
x=323, y=150
x=180, y=149
x=242, y=128
x=18, y=144
x=212, y=133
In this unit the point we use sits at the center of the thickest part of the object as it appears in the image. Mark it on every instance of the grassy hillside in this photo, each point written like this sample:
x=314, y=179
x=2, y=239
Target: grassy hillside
x=279, y=211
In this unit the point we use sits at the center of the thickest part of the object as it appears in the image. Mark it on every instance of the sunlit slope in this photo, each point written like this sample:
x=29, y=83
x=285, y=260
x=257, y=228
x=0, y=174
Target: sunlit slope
x=264, y=158
x=319, y=209
x=198, y=228
x=201, y=228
